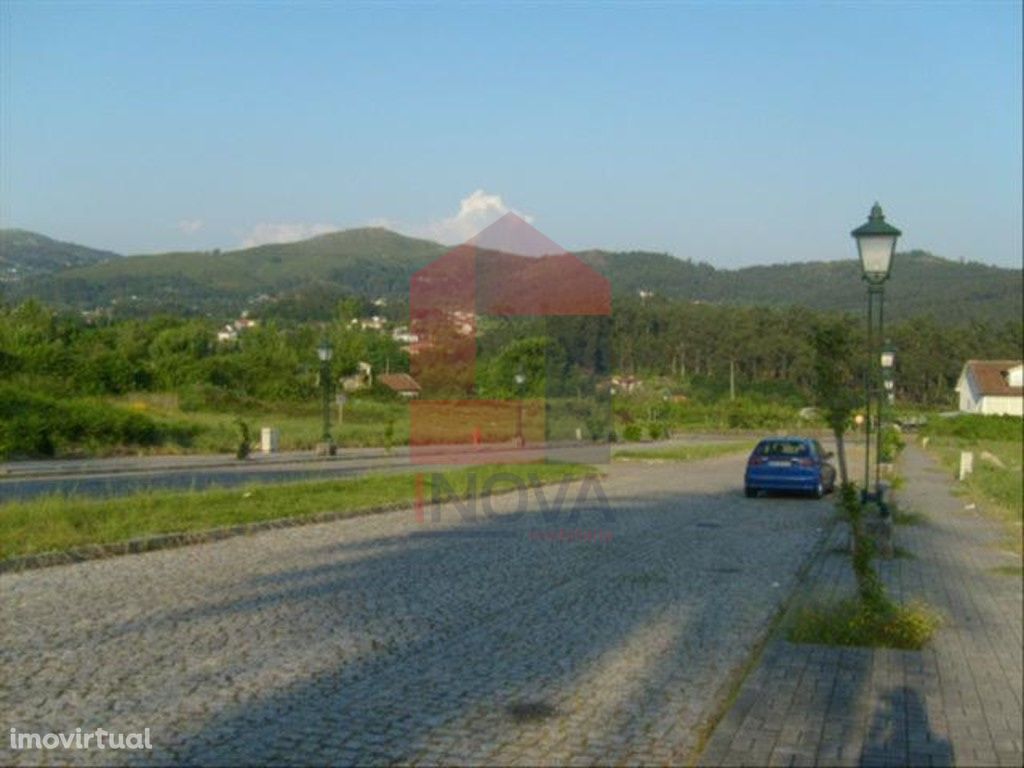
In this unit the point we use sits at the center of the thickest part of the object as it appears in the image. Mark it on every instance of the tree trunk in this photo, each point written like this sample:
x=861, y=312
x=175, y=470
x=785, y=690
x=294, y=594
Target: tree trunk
x=844, y=476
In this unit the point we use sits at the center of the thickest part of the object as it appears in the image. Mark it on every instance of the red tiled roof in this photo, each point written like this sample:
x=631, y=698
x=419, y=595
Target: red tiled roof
x=399, y=382
x=990, y=377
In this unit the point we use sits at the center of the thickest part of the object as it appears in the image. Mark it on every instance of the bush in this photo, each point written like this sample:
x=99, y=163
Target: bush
x=632, y=433
x=36, y=425
x=892, y=444
x=656, y=431
x=851, y=622
x=245, y=440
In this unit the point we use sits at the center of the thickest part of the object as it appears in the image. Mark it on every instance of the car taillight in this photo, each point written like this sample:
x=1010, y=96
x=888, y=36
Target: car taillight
x=755, y=460
x=806, y=462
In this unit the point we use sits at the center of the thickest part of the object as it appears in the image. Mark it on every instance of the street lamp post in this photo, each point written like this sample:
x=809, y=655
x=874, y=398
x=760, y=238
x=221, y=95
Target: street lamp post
x=886, y=359
x=876, y=244
x=520, y=379
x=324, y=351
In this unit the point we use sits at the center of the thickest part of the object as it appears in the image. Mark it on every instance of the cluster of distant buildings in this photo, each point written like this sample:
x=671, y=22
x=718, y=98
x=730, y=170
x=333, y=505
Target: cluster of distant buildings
x=229, y=333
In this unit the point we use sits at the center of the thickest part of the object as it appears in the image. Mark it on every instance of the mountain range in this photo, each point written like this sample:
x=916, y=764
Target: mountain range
x=375, y=262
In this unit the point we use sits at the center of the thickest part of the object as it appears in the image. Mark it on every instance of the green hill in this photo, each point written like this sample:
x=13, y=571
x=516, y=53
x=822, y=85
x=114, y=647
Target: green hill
x=375, y=262
x=921, y=284
x=372, y=261
x=25, y=255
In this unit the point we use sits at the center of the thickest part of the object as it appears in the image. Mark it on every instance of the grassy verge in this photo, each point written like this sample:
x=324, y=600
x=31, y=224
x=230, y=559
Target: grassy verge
x=997, y=483
x=364, y=422
x=56, y=523
x=851, y=622
x=683, y=452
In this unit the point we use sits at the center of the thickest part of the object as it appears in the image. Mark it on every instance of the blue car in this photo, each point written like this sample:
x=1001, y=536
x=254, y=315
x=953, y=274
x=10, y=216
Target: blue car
x=796, y=464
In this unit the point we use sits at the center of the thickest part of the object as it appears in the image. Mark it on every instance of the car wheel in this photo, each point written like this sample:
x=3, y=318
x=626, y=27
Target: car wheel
x=750, y=492
x=819, y=490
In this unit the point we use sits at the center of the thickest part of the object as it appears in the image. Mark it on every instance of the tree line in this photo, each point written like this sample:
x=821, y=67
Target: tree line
x=767, y=350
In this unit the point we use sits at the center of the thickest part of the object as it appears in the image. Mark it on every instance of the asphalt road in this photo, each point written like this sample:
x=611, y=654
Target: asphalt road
x=120, y=476
x=581, y=625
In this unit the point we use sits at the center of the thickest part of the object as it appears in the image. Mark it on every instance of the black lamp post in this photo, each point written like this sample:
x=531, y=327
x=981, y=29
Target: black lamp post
x=520, y=379
x=876, y=244
x=324, y=351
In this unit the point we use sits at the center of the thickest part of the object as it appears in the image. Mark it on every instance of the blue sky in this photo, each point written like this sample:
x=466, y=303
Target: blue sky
x=731, y=133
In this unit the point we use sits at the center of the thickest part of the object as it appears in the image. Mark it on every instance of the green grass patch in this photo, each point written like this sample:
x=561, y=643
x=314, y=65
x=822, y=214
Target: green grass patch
x=974, y=428
x=683, y=452
x=1009, y=570
x=56, y=523
x=908, y=517
x=850, y=623
x=364, y=421
x=997, y=483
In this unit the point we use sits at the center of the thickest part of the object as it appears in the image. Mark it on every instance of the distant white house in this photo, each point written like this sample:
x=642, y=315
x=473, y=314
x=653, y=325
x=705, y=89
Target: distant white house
x=227, y=334
x=992, y=387
x=361, y=379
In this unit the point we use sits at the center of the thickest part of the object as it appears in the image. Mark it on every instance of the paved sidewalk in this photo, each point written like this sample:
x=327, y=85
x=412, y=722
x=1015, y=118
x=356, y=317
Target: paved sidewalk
x=956, y=702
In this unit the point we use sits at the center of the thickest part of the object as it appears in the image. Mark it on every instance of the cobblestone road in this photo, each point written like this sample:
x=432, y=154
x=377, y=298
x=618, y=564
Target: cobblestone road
x=380, y=639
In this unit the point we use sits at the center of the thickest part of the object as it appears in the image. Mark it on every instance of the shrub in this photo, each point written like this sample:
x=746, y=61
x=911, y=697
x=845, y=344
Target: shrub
x=892, y=444
x=632, y=433
x=245, y=440
x=851, y=622
x=37, y=425
x=656, y=430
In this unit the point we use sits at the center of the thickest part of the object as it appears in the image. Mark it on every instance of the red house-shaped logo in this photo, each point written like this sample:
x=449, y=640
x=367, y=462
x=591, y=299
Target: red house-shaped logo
x=508, y=270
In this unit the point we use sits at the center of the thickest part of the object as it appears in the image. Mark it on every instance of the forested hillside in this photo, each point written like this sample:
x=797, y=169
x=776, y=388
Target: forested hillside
x=376, y=262
x=25, y=255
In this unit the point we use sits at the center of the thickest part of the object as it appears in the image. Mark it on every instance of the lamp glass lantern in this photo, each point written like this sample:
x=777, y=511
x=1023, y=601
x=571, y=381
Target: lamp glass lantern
x=876, y=244
x=325, y=351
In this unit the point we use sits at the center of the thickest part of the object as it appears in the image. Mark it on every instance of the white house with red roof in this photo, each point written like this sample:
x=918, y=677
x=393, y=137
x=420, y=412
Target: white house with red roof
x=993, y=387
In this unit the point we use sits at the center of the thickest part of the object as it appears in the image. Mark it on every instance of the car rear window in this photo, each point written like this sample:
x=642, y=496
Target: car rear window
x=782, y=448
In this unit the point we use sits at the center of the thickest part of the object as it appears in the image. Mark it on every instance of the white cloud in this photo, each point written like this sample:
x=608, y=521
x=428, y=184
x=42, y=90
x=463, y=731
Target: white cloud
x=267, y=232
x=476, y=212
x=190, y=226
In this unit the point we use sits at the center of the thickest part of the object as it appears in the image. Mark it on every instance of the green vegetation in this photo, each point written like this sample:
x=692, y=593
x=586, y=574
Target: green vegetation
x=57, y=523
x=975, y=428
x=34, y=424
x=997, y=483
x=907, y=517
x=371, y=262
x=871, y=617
x=25, y=255
x=376, y=262
x=127, y=355
x=684, y=452
x=851, y=622
x=1009, y=570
